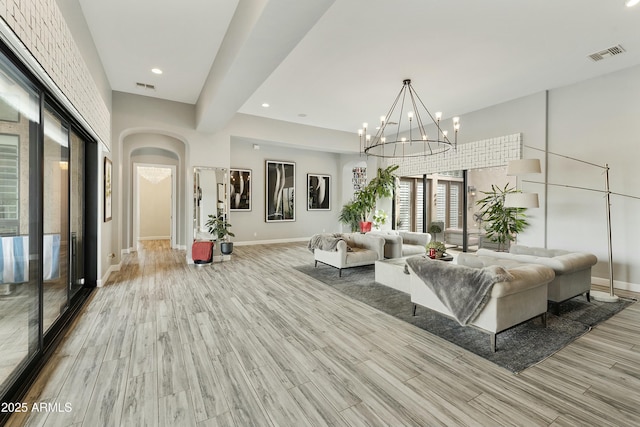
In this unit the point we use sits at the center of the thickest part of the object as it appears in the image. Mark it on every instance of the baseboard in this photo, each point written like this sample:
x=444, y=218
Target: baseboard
x=155, y=238
x=625, y=286
x=272, y=241
x=105, y=277
x=125, y=251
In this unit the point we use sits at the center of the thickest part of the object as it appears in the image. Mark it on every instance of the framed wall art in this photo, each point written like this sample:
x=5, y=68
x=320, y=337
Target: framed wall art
x=318, y=192
x=280, y=184
x=240, y=189
x=108, y=173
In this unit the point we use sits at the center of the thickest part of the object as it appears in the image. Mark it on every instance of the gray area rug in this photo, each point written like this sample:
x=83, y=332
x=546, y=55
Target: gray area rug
x=518, y=348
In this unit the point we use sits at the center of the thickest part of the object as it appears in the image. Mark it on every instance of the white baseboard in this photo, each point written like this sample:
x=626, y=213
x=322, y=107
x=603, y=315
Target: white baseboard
x=272, y=241
x=105, y=277
x=626, y=286
x=125, y=251
x=155, y=238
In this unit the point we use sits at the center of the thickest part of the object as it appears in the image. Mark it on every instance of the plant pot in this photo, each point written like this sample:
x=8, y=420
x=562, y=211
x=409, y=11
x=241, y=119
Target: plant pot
x=226, y=248
x=365, y=226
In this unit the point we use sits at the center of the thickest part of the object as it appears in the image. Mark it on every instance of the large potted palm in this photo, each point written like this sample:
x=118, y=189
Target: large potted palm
x=364, y=203
x=501, y=223
x=219, y=227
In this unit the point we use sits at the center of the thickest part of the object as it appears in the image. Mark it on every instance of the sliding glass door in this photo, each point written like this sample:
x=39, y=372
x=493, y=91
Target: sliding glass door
x=47, y=165
x=20, y=225
x=55, y=242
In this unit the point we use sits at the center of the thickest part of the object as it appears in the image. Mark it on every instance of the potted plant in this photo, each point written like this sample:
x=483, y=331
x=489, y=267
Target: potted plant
x=438, y=248
x=434, y=229
x=364, y=202
x=219, y=227
x=502, y=223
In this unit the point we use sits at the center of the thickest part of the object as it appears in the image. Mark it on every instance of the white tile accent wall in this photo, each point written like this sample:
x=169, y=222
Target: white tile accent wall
x=473, y=155
x=40, y=26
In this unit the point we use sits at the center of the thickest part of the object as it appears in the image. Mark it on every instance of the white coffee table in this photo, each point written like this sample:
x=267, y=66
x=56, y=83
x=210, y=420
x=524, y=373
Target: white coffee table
x=390, y=272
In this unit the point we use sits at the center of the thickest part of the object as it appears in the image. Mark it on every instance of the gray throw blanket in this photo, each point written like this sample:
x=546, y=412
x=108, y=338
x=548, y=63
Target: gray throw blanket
x=325, y=242
x=463, y=290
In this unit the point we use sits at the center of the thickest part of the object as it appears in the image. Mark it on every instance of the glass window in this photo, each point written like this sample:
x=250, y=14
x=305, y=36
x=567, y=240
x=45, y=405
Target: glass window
x=410, y=205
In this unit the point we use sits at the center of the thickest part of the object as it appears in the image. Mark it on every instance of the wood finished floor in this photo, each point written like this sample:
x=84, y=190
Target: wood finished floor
x=252, y=341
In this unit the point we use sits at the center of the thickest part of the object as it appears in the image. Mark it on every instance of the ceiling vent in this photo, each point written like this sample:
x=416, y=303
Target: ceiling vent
x=607, y=53
x=146, y=86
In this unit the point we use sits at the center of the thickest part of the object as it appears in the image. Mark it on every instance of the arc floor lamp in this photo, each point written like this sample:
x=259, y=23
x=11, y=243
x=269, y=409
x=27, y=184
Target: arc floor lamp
x=528, y=166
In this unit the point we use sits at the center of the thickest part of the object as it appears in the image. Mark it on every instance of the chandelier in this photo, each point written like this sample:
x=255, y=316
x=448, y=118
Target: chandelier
x=393, y=141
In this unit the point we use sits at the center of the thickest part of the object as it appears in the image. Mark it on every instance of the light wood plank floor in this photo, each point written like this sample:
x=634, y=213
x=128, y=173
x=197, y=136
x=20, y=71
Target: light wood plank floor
x=252, y=341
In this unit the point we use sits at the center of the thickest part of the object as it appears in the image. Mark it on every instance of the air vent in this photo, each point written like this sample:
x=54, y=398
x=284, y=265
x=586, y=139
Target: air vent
x=607, y=53
x=145, y=86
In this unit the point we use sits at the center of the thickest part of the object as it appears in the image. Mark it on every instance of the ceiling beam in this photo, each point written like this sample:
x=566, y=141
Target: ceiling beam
x=261, y=35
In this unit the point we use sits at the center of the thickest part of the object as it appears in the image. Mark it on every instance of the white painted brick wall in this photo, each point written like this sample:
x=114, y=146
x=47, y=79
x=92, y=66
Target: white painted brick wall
x=473, y=155
x=40, y=26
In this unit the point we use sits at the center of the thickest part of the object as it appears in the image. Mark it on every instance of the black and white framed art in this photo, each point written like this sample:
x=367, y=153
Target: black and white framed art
x=318, y=192
x=240, y=189
x=280, y=184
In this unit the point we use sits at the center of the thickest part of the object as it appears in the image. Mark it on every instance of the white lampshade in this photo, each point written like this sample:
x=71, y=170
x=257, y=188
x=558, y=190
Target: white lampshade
x=521, y=200
x=523, y=167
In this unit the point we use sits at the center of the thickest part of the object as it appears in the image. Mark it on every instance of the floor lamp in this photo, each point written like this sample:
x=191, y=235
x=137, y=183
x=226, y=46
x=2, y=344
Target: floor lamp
x=599, y=296
x=519, y=199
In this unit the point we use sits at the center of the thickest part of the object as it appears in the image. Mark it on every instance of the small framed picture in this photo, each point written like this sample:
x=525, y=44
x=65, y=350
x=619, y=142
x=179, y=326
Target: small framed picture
x=318, y=192
x=107, y=189
x=240, y=189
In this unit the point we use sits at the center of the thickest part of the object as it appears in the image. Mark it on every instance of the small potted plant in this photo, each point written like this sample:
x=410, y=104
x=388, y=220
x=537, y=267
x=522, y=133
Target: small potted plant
x=219, y=227
x=435, y=249
x=434, y=230
x=379, y=218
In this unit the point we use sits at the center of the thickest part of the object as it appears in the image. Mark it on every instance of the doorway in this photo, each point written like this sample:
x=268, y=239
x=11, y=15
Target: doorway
x=154, y=210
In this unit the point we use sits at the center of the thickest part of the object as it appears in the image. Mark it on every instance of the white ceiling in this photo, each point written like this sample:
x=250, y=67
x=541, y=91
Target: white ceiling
x=342, y=62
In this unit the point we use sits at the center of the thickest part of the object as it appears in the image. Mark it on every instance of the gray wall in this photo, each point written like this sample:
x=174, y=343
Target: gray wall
x=251, y=225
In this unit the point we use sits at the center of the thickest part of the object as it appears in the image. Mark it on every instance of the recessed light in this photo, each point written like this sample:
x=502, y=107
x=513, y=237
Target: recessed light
x=156, y=71
x=265, y=105
x=631, y=3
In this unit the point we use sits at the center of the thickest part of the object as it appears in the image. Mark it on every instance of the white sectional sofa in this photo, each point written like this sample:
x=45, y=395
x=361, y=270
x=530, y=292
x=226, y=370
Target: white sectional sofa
x=400, y=244
x=572, y=269
x=511, y=302
x=352, y=250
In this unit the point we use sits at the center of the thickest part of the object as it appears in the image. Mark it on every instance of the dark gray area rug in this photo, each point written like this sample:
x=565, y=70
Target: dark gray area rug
x=517, y=348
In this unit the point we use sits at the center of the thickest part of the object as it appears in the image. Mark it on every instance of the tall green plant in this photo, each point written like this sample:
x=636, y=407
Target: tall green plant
x=502, y=223
x=364, y=202
x=350, y=215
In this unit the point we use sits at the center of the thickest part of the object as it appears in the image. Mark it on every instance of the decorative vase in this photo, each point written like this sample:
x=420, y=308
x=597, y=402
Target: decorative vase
x=365, y=226
x=226, y=248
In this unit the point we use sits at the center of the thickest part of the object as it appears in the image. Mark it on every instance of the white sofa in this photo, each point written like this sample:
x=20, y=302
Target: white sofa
x=353, y=250
x=572, y=269
x=510, y=302
x=400, y=244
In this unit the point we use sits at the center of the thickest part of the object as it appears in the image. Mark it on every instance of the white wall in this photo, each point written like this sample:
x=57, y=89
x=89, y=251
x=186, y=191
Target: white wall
x=597, y=121
x=155, y=209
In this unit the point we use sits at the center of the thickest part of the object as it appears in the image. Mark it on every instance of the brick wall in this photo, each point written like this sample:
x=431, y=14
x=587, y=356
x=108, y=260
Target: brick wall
x=473, y=155
x=40, y=26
